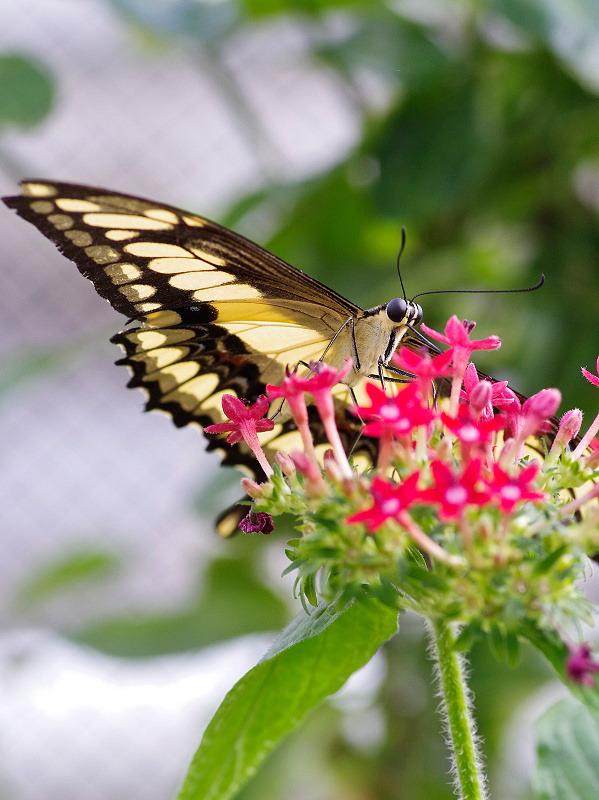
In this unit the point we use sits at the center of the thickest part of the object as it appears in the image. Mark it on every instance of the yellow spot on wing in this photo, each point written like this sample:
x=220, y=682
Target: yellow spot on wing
x=102, y=253
x=208, y=286
x=156, y=250
x=75, y=205
x=146, y=307
x=211, y=258
x=161, y=357
x=137, y=291
x=170, y=377
x=147, y=340
x=122, y=273
x=195, y=222
x=79, y=238
x=171, y=266
x=163, y=319
x=119, y=236
x=61, y=221
x=196, y=391
x=42, y=206
x=163, y=215
x=38, y=190
x=125, y=221
x=236, y=291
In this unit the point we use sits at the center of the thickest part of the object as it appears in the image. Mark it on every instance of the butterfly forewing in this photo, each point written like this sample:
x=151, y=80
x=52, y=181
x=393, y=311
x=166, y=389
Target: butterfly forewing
x=216, y=313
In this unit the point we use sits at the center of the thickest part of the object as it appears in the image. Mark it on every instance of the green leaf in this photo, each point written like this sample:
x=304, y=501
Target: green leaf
x=312, y=658
x=262, y=8
x=26, y=91
x=231, y=602
x=567, y=746
x=66, y=573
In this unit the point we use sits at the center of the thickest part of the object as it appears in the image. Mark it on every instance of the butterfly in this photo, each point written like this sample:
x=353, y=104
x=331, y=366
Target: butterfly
x=215, y=313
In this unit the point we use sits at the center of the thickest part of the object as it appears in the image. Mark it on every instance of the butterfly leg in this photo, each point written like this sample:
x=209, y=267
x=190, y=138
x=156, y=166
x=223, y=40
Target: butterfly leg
x=351, y=323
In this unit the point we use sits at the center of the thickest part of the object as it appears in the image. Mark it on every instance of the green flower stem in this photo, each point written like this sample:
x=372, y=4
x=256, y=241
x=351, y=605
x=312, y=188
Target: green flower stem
x=468, y=775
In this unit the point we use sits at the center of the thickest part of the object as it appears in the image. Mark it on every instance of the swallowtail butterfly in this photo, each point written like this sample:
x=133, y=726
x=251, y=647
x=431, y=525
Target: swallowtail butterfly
x=214, y=312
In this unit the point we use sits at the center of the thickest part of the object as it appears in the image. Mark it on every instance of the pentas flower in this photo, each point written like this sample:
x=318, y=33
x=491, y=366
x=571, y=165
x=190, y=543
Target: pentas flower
x=448, y=523
x=389, y=417
x=580, y=665
x=475, y=435
x=319, y=385
x=568, y=429
x=454, y=492
x=529, y=418
x=390, y=499
x=257, y=522
x=457, y=336
x=509, y=490
x=425, y=369
x=293, y=390
x=246, y=423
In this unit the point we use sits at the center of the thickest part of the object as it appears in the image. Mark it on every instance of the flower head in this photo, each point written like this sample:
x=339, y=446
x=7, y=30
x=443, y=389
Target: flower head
x=246, y=423
x=397, y=415
x=474, y=434
x=257, y=522
x=508, y=490
x=457, y=335
x=453, y=492
x=424, y=368
x=389, y=500
x=580, y=664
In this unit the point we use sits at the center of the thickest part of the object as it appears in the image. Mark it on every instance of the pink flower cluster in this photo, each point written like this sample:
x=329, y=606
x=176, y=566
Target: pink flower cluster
x=459, y=468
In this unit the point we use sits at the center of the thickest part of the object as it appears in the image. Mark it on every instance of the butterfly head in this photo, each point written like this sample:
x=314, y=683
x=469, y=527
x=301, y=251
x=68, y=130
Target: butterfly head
x=404, y=312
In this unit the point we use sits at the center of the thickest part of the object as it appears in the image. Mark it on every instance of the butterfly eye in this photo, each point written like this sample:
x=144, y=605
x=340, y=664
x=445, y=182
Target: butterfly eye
x=397, y=309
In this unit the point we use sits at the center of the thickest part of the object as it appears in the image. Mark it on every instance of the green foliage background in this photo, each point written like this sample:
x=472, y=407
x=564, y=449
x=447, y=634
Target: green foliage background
x=487, y=150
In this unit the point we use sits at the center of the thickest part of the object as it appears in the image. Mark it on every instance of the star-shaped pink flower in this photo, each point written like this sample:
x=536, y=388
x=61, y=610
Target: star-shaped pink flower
x=246, y=423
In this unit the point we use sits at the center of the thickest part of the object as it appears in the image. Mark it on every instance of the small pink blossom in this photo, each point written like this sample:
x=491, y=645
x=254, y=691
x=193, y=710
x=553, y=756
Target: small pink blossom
x=580, y=664
x=454, y=492
x=257, y=522
x=474, y=435
x=395, y=415
x=319, y=385
x=528, y=418
x=425, y=369
x=293, y=389
x=245, y=424
x=390, y=500
x=457, y=335
x=509, y=490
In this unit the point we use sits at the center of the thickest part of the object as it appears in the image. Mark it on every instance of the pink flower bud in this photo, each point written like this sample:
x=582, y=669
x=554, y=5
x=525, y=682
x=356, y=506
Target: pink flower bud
x=480, y=397
x=315, y=484
x=286, y=463
x=331, y=467
x=251, y=488
x=569, y=426
x=543, y=404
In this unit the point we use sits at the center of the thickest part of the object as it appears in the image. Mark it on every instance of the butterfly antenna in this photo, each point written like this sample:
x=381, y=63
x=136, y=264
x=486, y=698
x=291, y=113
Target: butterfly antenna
x=483, y=291
x=401, y=249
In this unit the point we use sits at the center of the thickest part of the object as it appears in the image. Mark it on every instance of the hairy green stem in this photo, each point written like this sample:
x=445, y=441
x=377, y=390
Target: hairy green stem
x=468, y=776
